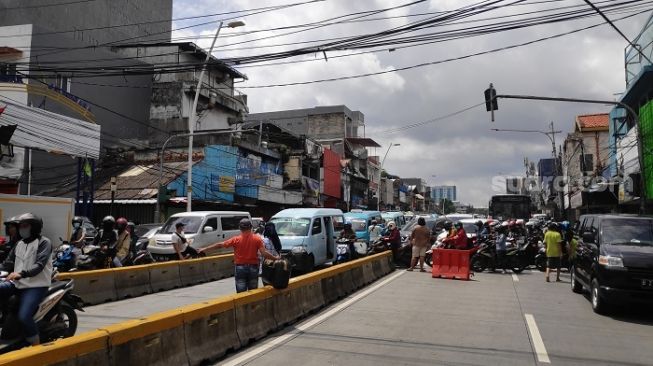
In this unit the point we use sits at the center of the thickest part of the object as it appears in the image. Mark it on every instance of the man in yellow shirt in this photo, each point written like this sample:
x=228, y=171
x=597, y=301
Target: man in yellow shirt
x=552, y=241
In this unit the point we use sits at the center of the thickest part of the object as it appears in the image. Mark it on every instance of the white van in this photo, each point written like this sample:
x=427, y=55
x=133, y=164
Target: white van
x=309, y=235
x=204, y=227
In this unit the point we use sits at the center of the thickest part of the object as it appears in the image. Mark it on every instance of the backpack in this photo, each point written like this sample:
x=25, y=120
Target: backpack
x=276, y=273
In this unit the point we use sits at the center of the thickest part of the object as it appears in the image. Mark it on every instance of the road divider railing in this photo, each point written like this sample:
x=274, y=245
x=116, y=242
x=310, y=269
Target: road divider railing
x=103, y=285
x=204, y=332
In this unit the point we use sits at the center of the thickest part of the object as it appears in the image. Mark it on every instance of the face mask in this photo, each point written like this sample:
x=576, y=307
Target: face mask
x=24, y=232
x=76, y=225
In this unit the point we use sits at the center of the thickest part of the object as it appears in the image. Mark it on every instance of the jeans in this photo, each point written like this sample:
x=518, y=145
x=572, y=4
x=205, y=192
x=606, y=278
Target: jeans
x=30, y=298
x=246, y=277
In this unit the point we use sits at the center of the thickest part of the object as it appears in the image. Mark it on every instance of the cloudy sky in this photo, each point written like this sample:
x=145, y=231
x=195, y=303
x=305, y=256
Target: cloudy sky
x=460, y=150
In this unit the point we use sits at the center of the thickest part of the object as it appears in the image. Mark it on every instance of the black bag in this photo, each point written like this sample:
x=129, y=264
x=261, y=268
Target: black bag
x=276, y=273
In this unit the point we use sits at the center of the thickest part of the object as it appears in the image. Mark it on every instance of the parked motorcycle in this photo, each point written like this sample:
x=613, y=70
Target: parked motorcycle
x=55, y=316
x=64, y=258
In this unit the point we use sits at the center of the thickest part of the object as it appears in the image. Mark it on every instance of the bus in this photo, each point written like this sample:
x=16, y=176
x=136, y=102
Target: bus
x=510, y=206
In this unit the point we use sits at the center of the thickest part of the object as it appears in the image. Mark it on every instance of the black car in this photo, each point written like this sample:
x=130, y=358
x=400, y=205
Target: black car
x=614, y=260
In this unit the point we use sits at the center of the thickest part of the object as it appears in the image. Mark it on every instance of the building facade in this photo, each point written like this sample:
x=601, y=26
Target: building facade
x=438, y=193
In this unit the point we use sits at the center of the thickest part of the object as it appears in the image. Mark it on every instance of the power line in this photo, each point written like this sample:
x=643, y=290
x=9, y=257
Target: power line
x=47, y=5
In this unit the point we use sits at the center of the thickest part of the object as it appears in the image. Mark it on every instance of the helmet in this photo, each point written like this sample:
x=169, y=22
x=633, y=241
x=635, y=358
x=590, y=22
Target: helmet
x=121, y=223
x=35, y=223
x=564, y=225
x=131, y=224
x=479, y=223
x=347, y=225
x=392, y=225
x=108, y=222
x=448, y=225
x=78, y=219
x=553, y=226
x=458, y=225
x=12, y=221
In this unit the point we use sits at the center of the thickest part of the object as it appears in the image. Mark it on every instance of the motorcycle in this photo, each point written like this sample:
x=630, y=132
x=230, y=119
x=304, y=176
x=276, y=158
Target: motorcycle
x=541, y=261
x=486, y=257
x=64, y=258
x=140, y=255
x=55, y=316
x=93, y=257
x=348, y=249
x=378, y=246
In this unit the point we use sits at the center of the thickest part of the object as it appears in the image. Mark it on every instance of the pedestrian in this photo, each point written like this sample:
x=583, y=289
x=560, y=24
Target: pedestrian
x=375, y=231
x=124, y=242
x=393, y=237
x=181, y=243
x=500, y=243
x=552, y=241
x=271, y=242
x=246, y=246
x=420, y=239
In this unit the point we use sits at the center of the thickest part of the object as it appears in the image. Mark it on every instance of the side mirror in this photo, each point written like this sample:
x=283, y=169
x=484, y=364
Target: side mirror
x=588, y=237
x=207, y=229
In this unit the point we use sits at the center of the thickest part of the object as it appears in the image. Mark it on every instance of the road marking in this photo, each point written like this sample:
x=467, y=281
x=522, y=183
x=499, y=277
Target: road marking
x=515, y=278
x=540, y=350
x=279, y=340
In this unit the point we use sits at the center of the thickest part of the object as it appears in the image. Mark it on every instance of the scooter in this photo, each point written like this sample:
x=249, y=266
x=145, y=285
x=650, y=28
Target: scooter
x=343, y=250
x=55, y=316
x=139, y=255
x=93, y=257
x=64, y=258
x=486, y=257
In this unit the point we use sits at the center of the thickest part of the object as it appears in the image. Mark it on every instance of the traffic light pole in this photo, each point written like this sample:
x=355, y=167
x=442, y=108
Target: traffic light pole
x=492, y=106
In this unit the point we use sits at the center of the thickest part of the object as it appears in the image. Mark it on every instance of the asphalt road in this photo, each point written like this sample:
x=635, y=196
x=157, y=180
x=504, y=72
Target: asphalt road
x=409, y=318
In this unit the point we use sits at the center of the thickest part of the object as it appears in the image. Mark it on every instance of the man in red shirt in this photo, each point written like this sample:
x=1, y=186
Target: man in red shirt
x=246, y=246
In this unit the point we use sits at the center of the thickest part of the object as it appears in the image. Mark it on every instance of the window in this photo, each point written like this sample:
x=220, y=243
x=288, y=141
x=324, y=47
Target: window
x=317, y=226
x=192, y=224
x=287, y=226
x=63, y=83
x=627, y=232
x=231, y=222
x=338, y=223
x=212, y=222
x=587, y=164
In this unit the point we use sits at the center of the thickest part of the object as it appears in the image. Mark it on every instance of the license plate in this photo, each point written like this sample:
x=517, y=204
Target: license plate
x=647, y=283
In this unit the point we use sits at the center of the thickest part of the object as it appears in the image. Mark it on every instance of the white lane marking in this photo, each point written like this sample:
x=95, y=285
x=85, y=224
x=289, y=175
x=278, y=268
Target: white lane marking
x=277, y=341
x=515, y=278
x=540, y=350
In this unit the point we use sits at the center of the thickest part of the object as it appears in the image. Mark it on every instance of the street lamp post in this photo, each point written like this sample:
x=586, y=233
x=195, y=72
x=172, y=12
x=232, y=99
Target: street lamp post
x=191, y=117
x=380, y=170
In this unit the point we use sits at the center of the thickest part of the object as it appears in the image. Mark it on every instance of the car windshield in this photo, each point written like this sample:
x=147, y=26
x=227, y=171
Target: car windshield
x=627, y=232
x=470, y=228
x=192, y=224
x=291, y=226
x=358, y=224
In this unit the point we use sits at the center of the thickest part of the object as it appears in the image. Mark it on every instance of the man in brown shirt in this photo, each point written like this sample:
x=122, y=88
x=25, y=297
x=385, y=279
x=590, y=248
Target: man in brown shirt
x=420, y=238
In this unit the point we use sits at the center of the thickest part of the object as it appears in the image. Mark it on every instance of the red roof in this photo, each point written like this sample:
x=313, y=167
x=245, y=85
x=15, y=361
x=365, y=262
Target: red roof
x=592, y=121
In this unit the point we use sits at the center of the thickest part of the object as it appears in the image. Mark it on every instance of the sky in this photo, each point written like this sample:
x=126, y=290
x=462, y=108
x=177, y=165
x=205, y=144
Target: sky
x=461, y=150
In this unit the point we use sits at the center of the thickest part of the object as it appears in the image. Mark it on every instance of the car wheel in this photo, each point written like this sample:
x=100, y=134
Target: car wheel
x=598, y=304
x=575, y=285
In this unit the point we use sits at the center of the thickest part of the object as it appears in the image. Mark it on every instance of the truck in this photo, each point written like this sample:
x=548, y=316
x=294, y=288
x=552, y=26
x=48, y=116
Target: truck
x=56, y=212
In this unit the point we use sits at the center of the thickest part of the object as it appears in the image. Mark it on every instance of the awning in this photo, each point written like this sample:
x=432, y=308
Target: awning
x=363, y=141
x=43, y=130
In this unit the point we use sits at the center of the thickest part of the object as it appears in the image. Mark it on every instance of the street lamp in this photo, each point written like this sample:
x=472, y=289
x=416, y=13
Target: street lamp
x=378, y=198
x=191, y=117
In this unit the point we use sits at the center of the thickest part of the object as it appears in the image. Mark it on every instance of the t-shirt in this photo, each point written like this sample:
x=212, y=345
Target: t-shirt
x=552, y=241
x=422, y=236
x=179, y=241
x=246, y=247
x=375, y=232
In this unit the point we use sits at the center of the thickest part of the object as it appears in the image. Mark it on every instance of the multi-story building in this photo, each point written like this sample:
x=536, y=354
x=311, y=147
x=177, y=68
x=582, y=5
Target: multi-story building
x=62, y=48
x=438, y=193
x=585, y=158
x=339, y=129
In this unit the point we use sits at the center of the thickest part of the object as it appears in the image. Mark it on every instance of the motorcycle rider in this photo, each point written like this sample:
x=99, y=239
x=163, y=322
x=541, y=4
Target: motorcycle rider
x=394, y=238
x=459, y=239
x=500, y=244
x=484, y=231
x=131, y=228
x=124, y=242
x=347, y=233
x=375, y=231
x=107, y=237
x=30, y=267
x=78, y=235
x=11, y=231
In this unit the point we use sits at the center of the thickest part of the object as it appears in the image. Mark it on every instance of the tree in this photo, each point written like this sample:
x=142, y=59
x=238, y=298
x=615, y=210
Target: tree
x=447, y=206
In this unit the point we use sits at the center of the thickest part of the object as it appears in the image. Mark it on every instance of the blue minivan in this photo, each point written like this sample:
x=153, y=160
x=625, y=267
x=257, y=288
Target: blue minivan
x=308, y=235
x=361, y=220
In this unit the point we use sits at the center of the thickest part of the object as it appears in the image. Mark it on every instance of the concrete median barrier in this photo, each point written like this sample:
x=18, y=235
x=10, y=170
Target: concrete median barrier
x=132, y=281
x=191, y=272
x=368, y=272
x=311, y=297
x=357, y=277
x=385, y=265
x=254, y=314
x=91, y=348
x=287, y=305
x=210, y=330
x=218, y=267
x=164, y=276
x=332, y=288
x=94, y=287
x=376, y=268
x=346, y=282
x=155, y=340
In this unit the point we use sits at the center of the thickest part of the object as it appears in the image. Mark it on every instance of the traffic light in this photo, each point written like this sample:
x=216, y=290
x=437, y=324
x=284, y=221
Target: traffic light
x=491, y=99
